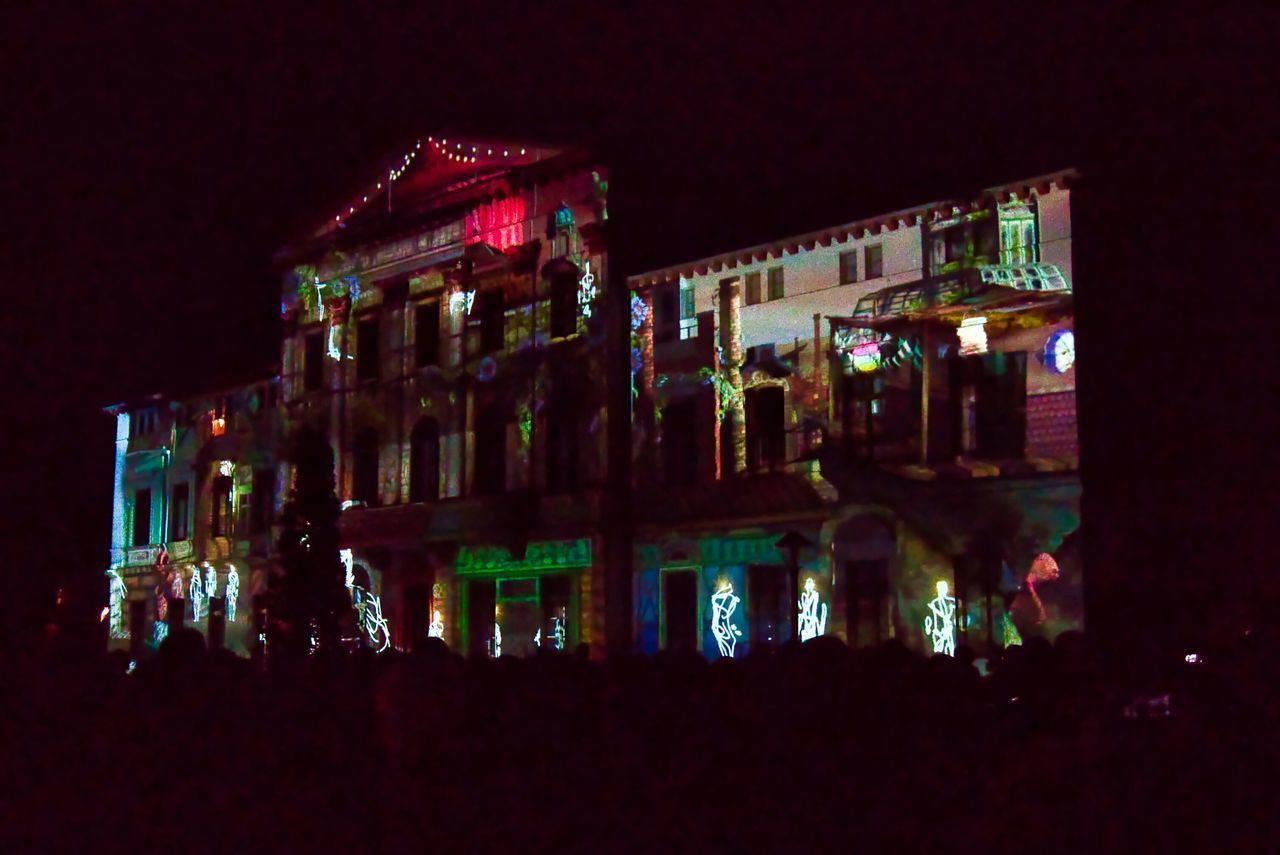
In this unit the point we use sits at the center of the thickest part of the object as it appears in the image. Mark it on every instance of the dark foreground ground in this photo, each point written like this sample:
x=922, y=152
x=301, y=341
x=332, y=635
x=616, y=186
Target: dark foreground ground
x=808, y=749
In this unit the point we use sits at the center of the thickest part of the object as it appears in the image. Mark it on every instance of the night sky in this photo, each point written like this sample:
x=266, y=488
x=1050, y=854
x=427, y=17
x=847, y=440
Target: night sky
x=159, y=158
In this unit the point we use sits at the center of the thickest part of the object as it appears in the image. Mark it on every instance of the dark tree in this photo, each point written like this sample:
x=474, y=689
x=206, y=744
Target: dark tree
x=310, y=590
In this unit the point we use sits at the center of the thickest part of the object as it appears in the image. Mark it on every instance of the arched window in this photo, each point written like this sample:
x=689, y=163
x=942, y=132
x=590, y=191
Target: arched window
x=364, y=468
x=424, y=461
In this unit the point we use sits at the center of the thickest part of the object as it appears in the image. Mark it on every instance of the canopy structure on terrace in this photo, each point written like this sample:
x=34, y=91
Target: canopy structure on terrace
x=989, y=289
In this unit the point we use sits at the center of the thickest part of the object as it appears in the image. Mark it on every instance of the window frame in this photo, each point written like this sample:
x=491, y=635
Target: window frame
x=867, y=251
x=424, y=356
x=849, y=271
x=777, y=276
x=133, y=535
x=180, y=511
x=313, y=362
x=368, y=349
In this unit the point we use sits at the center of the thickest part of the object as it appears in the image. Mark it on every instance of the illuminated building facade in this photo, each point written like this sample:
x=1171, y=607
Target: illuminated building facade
x=835, y=423
x=196, y=491
x=445, y=333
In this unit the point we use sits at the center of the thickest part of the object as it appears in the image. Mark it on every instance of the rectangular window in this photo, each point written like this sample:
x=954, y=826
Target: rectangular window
x=220, y=517
x=142, y=518
x=680, y=443
x=367, y=349
x=263, y=502
x=491, y=452
x=313, y=362
x=776, y=289
x=666, y=312
x=866, y=617
x=426, y=331
x=179, y=512
x=766, y=427
x=753, y=288
x=564, y=305
x=768, y=607
x=687, y=311
x=848, y=267
x=680, y=610
x=493, y=311
x=873, y=261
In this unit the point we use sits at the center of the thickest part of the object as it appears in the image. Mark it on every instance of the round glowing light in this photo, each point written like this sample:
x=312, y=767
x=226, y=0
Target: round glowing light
x=351, y=210
x=1060, y=351
x=379, y=185
x=338, y=218
x=418, y=145
x=488, y=151
x=366, y=199
x=444, y=142
x=504, y=152
x=522, y=151
x=428, y=139
x=473, y=148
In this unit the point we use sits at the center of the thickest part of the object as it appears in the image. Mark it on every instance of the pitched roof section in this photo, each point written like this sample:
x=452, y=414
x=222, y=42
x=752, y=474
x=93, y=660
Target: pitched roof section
x=432, y=172
x=877, y=224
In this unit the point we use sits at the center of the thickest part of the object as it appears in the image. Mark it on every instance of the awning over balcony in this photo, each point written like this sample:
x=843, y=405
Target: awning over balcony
x=990, y=288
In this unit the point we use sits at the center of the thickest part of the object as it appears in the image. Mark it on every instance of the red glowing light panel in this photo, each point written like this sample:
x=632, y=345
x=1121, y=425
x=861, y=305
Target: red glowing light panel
x=498, y=224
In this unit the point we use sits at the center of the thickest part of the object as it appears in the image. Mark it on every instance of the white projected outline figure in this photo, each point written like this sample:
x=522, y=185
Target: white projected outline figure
x=497, y=640
x=557, y=632
x=813, y=612
x=436, y=629
x=723, y=604
x=116, y=594
x=176, y=586
x=319, y=299
x=160, y=631
x=537, y=638
x=940, y=623
x=196, y=592
x=375, y=625
x=349, y=565
x=586, y=290
x=233, y=590
x=210, y=582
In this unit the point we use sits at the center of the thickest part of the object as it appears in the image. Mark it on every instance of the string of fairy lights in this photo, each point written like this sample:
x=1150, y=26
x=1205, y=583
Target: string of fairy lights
x=457, y=152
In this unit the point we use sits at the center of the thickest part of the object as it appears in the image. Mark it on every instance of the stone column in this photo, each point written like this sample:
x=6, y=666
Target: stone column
x=731, y=370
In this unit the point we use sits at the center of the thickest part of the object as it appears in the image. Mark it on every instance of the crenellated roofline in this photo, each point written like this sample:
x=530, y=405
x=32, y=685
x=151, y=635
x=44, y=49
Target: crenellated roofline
x=870, y=226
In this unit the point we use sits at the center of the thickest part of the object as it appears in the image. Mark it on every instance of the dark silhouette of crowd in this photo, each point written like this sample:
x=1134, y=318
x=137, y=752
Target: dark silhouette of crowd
x=802, y=748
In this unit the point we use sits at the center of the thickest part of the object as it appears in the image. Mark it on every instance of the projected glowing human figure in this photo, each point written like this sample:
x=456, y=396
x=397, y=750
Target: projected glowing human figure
x=940, y=623
x=375, y=625
x=436, y=629
x=497, y=640
x=196, y=593
x=175, y=589
x=723, y=604
x=116, y=594
x=349, y=567
x=233, y=590
x=586, y=290
x=537, y=638
x=813, y=612
x=557, y=632
x=210, y=582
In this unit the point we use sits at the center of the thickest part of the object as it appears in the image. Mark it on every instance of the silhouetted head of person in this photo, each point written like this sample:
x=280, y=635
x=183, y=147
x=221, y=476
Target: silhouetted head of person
x=183, y=646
